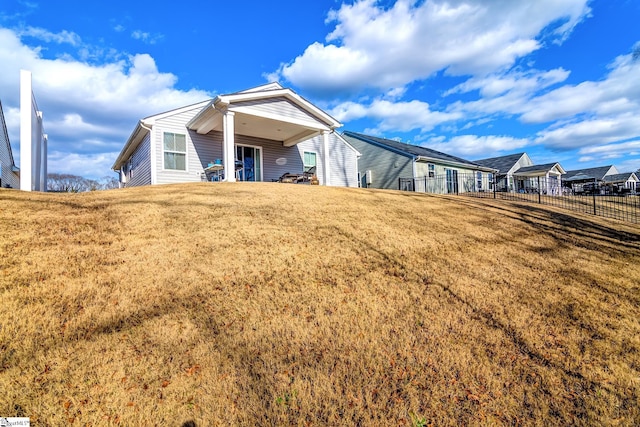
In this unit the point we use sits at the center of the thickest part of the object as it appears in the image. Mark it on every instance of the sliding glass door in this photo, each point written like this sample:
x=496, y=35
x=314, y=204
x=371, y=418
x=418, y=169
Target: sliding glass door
x=248, y=163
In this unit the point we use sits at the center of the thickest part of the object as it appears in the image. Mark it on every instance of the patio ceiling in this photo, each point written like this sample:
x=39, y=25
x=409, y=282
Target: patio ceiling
x=289, y=133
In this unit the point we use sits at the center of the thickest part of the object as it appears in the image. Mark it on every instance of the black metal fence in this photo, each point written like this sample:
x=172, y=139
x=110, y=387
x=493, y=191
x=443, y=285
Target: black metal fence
x=592, y=197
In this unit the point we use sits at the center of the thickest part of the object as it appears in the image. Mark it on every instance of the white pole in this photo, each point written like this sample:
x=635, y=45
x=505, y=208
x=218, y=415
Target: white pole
x=26, y=118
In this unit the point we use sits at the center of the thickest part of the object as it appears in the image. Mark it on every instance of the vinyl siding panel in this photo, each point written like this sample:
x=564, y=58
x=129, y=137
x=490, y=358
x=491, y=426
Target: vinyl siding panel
x=276, y=158
x=277, y=106
x=386, y=166
x=200, y=148
x=343, y=165
x=140, y=165
x=422, y=169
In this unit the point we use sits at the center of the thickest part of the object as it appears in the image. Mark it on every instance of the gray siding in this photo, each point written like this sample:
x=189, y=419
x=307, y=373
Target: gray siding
x=140, y=173
x=276, y=158
x=278, y=106
x=344, y=163
x=197, y=148
x=386, y=166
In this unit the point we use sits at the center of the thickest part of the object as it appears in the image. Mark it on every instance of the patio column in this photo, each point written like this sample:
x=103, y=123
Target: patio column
x=326, y=168
x=228, y=146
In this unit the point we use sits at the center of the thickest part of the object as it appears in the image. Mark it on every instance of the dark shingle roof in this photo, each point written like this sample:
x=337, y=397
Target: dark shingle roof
x=537, y=168
x=413, y=150
x=502, y=163
x=597, y=173
x=619, y=177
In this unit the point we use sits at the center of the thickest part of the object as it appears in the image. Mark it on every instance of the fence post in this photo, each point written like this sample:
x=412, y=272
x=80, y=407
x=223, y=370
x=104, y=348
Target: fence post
x=539, y=191
x=594, y=196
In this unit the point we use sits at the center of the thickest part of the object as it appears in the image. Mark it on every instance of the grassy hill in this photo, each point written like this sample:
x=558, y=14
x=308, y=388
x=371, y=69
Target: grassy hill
x=275, y=304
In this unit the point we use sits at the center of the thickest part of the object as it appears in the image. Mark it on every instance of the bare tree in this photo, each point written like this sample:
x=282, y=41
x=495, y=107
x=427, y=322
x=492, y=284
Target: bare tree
x=67, y=183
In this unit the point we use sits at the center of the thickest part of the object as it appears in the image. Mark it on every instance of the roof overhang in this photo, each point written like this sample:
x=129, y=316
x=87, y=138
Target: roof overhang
x=132, y=143
x=262, y=122
x=555, y=169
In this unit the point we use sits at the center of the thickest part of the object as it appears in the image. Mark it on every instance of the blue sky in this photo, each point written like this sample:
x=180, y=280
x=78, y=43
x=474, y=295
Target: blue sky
x=559, y=79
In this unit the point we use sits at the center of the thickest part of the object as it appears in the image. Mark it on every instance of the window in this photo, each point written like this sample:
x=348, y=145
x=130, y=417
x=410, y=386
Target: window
x=432, y=170
x=479, y=179
x=490, y=176
x=175, y=151
x=309, y=162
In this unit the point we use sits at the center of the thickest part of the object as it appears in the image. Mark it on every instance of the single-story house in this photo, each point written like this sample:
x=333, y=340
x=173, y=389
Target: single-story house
x=517, y=173
x=546, y=179
x=259, y=134
x=622, y=183
x=584, y=180
x=506, y=166
x=389, y=164
x=9, y=172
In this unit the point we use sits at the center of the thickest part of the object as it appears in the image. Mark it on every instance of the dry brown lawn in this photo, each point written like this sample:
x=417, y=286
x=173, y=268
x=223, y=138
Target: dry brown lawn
x=277, y=304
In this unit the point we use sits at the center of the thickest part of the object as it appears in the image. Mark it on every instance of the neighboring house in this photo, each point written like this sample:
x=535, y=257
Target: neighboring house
x=390, y=164
x=598, y=172
x=9, y=172
x=621, y=183
x=517, y=173
x=258, y=134
x=546, y=179
x=582, y=180
x=506, y=167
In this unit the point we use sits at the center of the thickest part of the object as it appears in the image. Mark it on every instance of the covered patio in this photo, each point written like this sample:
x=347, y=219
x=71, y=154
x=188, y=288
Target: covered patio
x=542, y=179
x=269, y=112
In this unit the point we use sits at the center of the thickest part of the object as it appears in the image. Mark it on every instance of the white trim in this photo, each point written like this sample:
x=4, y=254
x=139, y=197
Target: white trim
x=25, y=131
x=186, y=153
x=279, y=118
x=261, y=148
x=153, y=150
x=151, y=120
x=227, y=100
x=326, y=158
x=228, y=146
x=311, y=152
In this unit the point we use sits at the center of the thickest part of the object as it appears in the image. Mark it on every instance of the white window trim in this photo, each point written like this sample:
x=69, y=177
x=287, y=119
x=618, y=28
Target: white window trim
x=429, y=171
x=186, y=153
x=310, y=152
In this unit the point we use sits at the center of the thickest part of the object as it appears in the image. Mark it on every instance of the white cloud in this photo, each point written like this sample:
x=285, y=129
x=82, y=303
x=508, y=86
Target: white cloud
x=611, y=151
x=47, y=36
x=616, y=93
x=89, y=165
x=387, y=48
x=87, y=107
x=590, y=132
x=474, y=146
x=146, y=37
x=397, y=116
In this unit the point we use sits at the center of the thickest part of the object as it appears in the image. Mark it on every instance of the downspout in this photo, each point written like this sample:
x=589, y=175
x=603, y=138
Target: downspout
x=152, y=152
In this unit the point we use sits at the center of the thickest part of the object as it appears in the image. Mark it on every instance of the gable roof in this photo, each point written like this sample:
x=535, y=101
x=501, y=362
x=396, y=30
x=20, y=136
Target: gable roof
x=143, y=128
x=597, y=172
x=621, y=177
x=502, y=164
x=415, y=151
x=540, y=169
x=264, y=92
